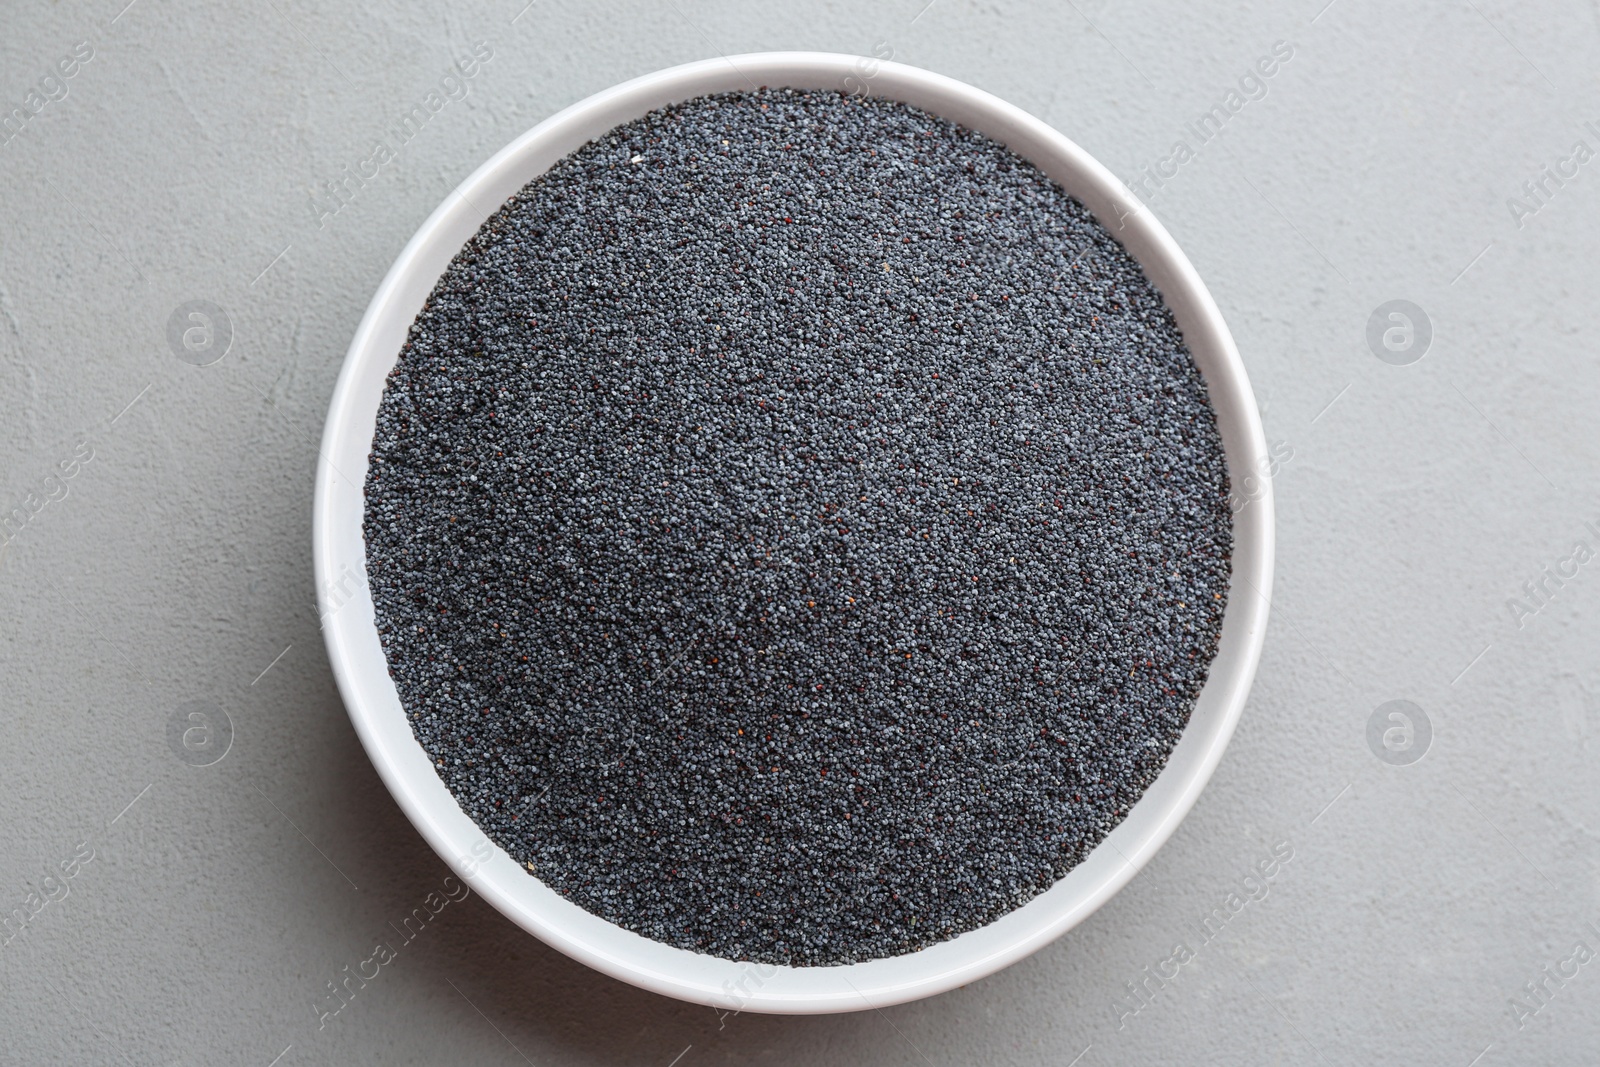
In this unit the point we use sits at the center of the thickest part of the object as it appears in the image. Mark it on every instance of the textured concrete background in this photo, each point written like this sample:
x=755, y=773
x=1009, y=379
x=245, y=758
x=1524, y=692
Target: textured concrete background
x=1432, y=912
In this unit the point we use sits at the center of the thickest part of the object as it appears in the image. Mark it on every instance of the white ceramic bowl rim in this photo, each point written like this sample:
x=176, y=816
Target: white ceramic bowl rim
x=374, y=707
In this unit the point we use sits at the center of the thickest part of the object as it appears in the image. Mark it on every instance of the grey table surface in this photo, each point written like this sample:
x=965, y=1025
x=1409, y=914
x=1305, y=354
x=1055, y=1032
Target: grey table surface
x=1441, y=910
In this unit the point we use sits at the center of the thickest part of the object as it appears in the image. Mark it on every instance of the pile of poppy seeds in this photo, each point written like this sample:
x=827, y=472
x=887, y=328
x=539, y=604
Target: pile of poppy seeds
x=798, y=530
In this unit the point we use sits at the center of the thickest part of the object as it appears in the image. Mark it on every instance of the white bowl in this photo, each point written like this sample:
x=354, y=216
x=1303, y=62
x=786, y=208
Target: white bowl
x=369, y=694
